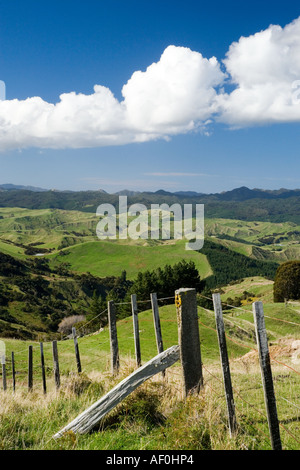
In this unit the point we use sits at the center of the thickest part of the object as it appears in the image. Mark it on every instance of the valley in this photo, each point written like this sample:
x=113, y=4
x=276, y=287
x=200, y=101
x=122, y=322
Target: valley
x=53, y=267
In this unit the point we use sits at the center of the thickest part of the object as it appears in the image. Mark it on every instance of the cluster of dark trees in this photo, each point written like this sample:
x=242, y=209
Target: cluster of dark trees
x=228, y=265
x=287, y=282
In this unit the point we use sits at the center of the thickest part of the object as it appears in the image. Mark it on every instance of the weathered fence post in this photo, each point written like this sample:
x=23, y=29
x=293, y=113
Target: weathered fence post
x=43, y=368
x=136, y=331
x=56, y=364
x=13, y=370
x=114, y=347
x=157, y=327
x=87, y=420
x=3, y=361
x=78, y=362
x=266, y=373
x=30, y=368
x=189, y=339
x=225, y=364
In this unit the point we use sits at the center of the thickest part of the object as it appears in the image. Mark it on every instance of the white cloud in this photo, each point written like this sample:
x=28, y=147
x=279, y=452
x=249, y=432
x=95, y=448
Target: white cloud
x=175, y=95
x=178, y=94
x=265, y=68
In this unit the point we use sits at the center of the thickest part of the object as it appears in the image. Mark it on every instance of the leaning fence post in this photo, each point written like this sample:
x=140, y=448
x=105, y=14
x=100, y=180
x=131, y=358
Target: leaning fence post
x=157, y=327
x=3, y=372
x=114, y=347
x=136, y=331
x=13, y=370
x=225, y=363
x=189, y=339
x=56, y=364
x=266, y=373
x=78, y=362
x=43, y=368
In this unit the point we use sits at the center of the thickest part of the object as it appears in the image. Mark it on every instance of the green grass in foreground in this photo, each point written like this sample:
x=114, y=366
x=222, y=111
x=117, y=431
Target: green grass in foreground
x=156, y=416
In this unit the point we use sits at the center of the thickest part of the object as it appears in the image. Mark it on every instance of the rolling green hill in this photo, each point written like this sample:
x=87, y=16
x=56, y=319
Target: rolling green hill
x=111, y=258
x=72, y=236
x=66, y=240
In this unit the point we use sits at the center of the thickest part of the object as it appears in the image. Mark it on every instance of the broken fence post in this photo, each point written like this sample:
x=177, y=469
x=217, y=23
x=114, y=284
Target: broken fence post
x=189, y=339
x=87, y=420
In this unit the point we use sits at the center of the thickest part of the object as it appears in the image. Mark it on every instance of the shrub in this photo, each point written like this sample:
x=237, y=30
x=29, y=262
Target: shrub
x=287, y=282
x=66, y=325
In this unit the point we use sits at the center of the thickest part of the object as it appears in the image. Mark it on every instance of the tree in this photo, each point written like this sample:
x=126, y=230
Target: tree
x=287, y=282
x=164, y=281
x=97, y=306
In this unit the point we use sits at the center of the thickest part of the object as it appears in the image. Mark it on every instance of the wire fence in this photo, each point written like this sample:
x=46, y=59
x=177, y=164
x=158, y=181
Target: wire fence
x=96, y=356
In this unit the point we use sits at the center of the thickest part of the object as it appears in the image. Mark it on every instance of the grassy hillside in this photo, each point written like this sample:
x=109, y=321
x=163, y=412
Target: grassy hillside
x=259, y=240
x=67, y=240
x=111, y=258
x=156, y=416
x=70, y=237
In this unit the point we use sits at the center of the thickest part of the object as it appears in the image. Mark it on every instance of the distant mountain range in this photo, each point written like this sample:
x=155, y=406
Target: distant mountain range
x=282, y=205
x=239, y=194
x=15, y=187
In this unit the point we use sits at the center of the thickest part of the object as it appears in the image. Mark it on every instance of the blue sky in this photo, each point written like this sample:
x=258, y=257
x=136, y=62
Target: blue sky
x=54, y=48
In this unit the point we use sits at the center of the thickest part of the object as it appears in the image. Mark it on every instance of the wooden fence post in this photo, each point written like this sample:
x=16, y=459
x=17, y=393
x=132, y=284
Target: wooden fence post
x=225, y=364
x=30, y=368
x=157, y=327
x=43, y=368
x=3, y=361
x=114, y=347
x=56, y=364
x=78, y=362
x=136, y=331
x=189, y=339
x=266, y=373
x=13, y=370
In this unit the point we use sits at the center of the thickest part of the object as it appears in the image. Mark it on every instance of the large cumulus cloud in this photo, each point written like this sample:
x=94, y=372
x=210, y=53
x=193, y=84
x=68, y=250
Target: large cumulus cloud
x=180, y=93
